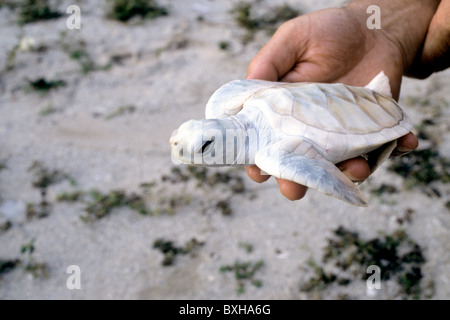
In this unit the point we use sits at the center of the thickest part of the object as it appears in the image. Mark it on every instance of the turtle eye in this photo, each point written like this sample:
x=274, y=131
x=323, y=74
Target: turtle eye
x=206, y=145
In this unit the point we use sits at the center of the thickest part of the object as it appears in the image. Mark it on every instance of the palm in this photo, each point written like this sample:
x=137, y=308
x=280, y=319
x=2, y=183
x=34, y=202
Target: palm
x=337, y=48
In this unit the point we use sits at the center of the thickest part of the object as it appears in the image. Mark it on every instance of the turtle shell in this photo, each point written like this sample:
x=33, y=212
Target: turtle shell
x=341, y=121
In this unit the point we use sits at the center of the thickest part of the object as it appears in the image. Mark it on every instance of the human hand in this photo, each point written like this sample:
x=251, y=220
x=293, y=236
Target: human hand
x=435, y=52
x=335, y=45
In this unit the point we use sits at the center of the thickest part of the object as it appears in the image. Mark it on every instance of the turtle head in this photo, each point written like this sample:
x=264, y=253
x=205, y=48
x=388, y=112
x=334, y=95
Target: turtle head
x=199, y=142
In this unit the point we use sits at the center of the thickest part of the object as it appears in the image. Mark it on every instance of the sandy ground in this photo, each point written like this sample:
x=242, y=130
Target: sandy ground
x=166, y=69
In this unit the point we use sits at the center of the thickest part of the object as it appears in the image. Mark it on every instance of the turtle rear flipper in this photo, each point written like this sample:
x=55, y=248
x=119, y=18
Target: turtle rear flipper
x=380, y=84
x=376, y=157
x=312, y=171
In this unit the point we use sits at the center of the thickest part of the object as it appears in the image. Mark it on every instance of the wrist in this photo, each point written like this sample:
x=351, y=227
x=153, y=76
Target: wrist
x=403, y=23
x=435, y=55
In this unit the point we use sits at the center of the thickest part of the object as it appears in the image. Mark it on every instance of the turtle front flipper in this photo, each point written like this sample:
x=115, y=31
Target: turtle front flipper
x=229, y=99
x=301, y=163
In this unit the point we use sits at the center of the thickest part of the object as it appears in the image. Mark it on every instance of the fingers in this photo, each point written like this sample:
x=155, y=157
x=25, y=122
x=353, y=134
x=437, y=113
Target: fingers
x=254, y=173
x=405, y=144
x=356, y=169
x=291, y=190
x=261, y=69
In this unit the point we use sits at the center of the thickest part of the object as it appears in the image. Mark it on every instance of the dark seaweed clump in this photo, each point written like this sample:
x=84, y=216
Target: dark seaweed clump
x=36, y=10
x=170, y=251
x=43, y=85
x=206, y=178
x=43, y=178
x=245, y=16
x=244, y=272
x=398, y=257
x=28, y=262
x=124, y=10
x=422, y=167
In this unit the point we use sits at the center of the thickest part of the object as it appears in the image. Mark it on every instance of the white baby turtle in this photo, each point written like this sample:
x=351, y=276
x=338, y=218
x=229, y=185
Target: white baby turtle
x=296, y=131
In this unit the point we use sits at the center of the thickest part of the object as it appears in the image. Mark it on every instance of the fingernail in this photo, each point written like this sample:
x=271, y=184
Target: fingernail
x=350, y=176
x=403, y=149
x=400, y=151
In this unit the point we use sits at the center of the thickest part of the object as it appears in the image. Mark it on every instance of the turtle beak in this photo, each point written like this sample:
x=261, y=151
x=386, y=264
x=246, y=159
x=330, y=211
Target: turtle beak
x=177, y=152
x=174, y=139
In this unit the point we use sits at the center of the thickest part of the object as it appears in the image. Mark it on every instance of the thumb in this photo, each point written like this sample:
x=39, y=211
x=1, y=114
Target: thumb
x=279, y=55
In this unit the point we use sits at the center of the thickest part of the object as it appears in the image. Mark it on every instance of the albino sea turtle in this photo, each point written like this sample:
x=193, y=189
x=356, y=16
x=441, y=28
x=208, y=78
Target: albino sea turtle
x=296, y=131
